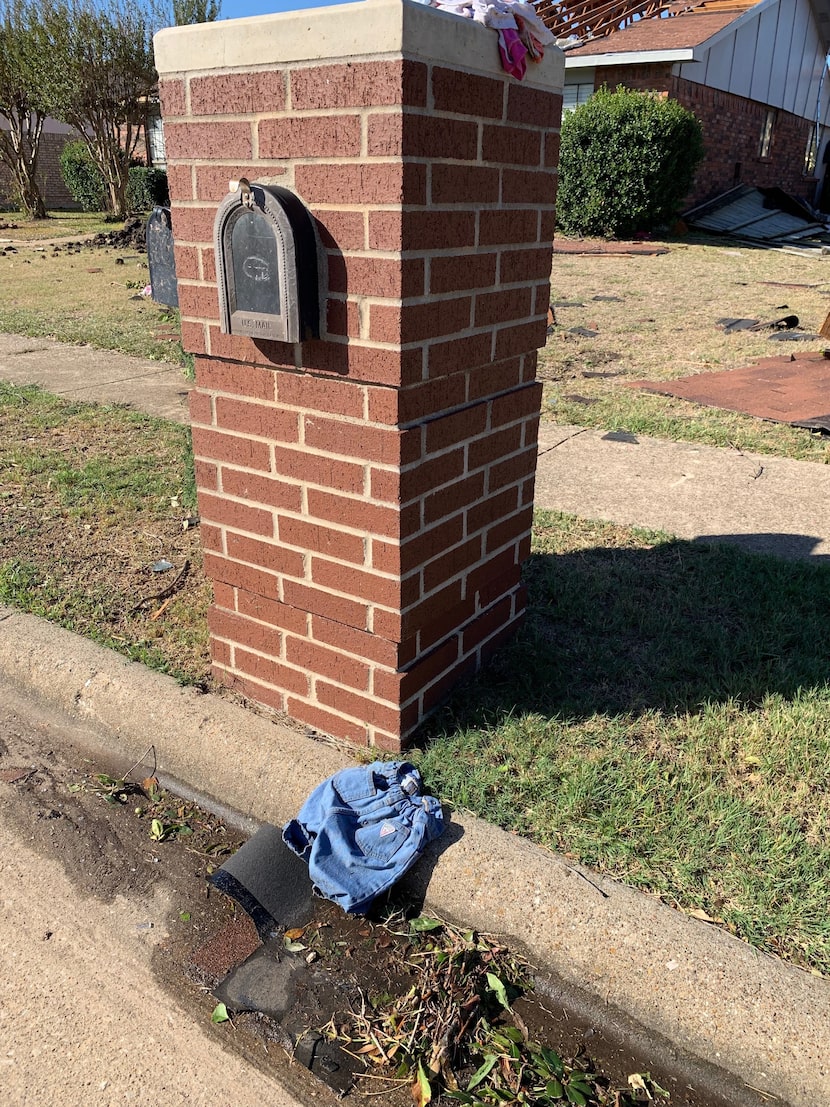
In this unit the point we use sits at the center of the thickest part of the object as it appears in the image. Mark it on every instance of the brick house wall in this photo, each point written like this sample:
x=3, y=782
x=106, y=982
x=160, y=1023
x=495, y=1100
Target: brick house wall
x=366, y=497
x=55, y=192
x=732, y=128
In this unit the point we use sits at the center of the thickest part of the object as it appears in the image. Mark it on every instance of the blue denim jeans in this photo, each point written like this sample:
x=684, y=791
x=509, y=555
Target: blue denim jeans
x=361, y=830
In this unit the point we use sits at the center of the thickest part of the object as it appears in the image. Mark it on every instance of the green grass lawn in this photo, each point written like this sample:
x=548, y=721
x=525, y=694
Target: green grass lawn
x=664, y=717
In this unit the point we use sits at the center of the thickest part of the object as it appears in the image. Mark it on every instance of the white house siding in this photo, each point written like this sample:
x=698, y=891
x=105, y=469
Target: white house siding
x=773, y=55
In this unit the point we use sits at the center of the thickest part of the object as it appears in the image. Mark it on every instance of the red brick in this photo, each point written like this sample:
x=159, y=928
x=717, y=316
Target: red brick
x=193, y=337
x=527, y=186
x=401, y=686
x=444, y=622
x=516, y=405
x=354, y=440
x=385, y=485
x=244, y=632
x=220, y=653
x=223, y=597
x=467, y=93
x=384, y=135
x=212, y=180
x=326, y=722
x=265, y=669
x=384, y=557
x=231, y=347
x=262, y=694
x=320, y=469
x=377, y=365
x=198, y=300
x=445, y=604
x=453, y=498
x=363, y=585
x=450, y=274
x=311, y=536
x=218, y=376
x=335, y=397
x=231, y=513
x=342, y=318
x=494, y=578
x=266, y=555
x=505, y=226
x=430, y=136
x=494, y=446
x=201, y=407
x=552, y=140
x=208, y=263
x=500, y=307
x=528, y=265
x=187, y=263
x=262, y=489
x=534, y=106
x=429, y=397
x=331, y=664
x=464, y=184
x=315, y=136
x=383, y=406
x=233, y=573
x=192, y=224
x=386, y=230
x=461, y=426
x=317, y=601
x=207, y=475
x=487, y=623
x=433, y=230
x=231, y=448
x=495, y=508
x=212, y=537
x=435, y=471
x=416, y=322
x=359, y=84
x=428, y=544
x=356, y=514
x=459, y=354
x=238, y=93
x=358, y=642
x=260, y=419
x=271, y=611
x=372, y=183
x=512, y=470
x=498, y=375
x=515, y=340
x=180, y=182
x=509, y=530
x=202, y=140
x=389, y=278
x=511, y=145
x=452, y=563
x=342, y=230
x=358, y=707
x=171, y=94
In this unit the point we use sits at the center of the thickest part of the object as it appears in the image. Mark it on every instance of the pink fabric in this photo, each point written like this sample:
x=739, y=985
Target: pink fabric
x=513, y=53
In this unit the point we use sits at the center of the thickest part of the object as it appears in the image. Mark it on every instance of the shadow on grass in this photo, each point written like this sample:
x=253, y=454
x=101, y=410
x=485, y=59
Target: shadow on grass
x=668, y=627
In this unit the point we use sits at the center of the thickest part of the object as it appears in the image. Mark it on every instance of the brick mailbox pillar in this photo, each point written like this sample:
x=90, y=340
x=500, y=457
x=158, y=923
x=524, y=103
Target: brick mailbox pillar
x=366, y=496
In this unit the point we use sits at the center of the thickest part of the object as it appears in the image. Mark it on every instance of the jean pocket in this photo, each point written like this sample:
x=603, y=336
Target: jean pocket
x=381, y=840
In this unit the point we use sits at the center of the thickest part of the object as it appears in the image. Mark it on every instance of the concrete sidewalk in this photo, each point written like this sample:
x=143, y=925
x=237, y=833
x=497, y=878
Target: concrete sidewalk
x=763, y=503
x=697, y=996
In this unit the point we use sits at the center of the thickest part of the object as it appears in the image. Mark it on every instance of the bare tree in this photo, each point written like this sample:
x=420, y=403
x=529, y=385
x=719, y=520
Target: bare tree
x=102, y=59
x=27, y=92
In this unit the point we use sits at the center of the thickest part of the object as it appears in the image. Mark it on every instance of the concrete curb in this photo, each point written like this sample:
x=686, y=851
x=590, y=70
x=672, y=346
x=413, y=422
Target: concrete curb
x=763, y=1022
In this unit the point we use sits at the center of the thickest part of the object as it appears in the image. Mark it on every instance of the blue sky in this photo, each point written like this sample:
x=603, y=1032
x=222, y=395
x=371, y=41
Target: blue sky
x=234, y=9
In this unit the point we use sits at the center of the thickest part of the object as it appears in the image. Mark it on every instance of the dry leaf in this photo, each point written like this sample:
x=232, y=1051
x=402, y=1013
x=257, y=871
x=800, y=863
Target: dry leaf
x=294, y=933
x=699, y=913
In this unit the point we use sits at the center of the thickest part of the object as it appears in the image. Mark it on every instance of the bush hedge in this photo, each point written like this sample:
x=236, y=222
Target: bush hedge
x=82, y=177
x=626, y=162
x=147, y=188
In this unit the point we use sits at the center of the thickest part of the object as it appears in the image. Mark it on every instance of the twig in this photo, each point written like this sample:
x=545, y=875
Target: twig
x=170, y=590
x=151, y=749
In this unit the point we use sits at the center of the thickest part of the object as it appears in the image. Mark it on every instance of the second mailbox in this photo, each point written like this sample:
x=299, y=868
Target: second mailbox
x=267, y=265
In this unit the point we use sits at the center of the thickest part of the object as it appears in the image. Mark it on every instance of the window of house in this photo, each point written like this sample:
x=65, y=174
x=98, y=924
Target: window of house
x=574, y=95
x=811, y=153
x=155, y=142
x=766, y=134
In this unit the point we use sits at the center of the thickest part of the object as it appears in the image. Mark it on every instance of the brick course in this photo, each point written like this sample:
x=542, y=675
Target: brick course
x=365, y=496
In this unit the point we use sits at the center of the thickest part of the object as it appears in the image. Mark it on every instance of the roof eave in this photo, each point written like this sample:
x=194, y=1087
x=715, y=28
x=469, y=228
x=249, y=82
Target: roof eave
x=632, y=57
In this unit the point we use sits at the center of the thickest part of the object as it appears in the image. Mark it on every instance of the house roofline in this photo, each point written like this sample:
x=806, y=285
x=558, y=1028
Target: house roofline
x=630, y=57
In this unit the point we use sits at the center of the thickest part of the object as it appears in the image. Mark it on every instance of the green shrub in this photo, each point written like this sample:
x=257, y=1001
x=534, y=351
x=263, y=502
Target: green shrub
x=82, y=177
x=627, y=160
x=147, y=187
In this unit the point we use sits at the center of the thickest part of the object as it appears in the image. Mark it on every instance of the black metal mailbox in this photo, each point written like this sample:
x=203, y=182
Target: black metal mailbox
x=162, y=263
x=267, y=263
